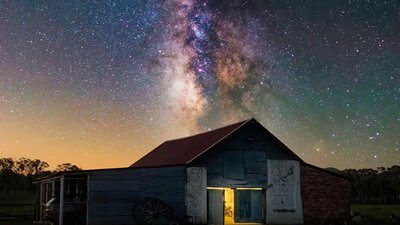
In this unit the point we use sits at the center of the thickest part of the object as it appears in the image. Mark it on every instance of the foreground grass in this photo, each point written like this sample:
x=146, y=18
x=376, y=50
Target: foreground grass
x=17, y=197
x=7, y=200
x=378, y=213
x=375, y=214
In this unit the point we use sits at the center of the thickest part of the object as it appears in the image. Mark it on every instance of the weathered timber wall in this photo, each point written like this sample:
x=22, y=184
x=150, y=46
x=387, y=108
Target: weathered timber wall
x=112, y=193
x=241, y=159
x=326, y=197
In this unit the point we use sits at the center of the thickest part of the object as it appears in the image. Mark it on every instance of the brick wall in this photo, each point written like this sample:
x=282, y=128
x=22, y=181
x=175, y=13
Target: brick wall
x=326, y=197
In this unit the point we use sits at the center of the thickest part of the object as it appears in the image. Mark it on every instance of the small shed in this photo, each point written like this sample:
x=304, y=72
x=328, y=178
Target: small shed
x=236, y=174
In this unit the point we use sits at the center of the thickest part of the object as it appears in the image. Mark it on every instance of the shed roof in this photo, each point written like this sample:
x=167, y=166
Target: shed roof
x=184, y=150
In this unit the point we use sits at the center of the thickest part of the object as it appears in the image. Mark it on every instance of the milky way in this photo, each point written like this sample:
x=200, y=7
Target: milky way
x=100, y=83
x=222, y=68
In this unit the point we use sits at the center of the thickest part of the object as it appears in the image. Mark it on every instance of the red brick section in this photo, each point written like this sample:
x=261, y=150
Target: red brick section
x=326, y=197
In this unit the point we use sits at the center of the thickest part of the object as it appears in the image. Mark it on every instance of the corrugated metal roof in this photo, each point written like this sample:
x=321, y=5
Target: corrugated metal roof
x=184, y=150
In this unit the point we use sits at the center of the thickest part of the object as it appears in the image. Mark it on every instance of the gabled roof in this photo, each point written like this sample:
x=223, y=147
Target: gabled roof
x=184, y=150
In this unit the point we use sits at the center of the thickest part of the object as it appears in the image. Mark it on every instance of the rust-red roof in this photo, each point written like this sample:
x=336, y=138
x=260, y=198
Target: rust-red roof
x=184, y=150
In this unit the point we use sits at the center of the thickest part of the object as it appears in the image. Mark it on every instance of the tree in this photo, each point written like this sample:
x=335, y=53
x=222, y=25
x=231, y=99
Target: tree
x=6, y=164
x=20, y=174
x=375, y=186
x=67, y=167
x=30, y=167
x=38, y=167
x=7, y=175
x=29, y=170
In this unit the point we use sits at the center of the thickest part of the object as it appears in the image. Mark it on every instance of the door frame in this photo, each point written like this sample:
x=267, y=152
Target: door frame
x=263, y=201
x=222, y=203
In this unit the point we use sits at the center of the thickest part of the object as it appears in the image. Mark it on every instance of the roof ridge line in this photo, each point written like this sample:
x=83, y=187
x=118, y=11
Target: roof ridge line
x=181, y=138
x=201, y=153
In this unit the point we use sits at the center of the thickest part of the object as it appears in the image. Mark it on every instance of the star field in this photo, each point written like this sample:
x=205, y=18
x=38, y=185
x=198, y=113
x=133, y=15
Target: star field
x=101, y=83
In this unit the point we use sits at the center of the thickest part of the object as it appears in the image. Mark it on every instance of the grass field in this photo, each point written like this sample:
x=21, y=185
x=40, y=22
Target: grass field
x=378, y=213
x=18, y=204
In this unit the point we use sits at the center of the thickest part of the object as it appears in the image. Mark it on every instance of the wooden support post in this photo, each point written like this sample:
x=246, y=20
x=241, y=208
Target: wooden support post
x=41, y=207
x=53, y=189
x=87, y=199
x=61, y=213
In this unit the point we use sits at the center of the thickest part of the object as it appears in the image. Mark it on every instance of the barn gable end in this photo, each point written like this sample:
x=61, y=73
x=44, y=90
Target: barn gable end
x=240, y=160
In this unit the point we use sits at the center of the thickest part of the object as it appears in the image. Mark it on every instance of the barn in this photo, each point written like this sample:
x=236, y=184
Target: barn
x=238, y=174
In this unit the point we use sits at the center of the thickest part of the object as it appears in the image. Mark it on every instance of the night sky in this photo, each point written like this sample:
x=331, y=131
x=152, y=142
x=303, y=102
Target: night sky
x=101, y=83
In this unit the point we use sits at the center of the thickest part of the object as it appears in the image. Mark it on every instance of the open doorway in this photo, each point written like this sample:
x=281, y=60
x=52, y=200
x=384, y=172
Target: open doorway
x=229, y=206
x=235, y=206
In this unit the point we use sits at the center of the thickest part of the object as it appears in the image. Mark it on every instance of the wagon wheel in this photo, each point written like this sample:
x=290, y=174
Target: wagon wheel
x=151, y=211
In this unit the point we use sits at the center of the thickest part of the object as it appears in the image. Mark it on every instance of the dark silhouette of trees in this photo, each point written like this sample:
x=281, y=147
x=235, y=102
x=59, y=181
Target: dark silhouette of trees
x=19, y=175
x=7, y=175
x=27, y=170
x=380, y=186
x=66, y=167
x=34, y=167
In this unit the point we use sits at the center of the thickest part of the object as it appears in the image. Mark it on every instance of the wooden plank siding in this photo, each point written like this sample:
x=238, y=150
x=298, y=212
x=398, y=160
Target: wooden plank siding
x=215, y=207
x=241, y=159
x=112, y=193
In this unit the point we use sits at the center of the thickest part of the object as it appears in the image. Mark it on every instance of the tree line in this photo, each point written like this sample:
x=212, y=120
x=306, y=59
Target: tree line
x=375, y=186
x=19, y=175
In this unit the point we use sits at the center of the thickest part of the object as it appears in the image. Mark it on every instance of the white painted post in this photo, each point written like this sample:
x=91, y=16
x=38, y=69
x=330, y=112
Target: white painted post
x=196, y=194
x=61, y=213
x=53, y=188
